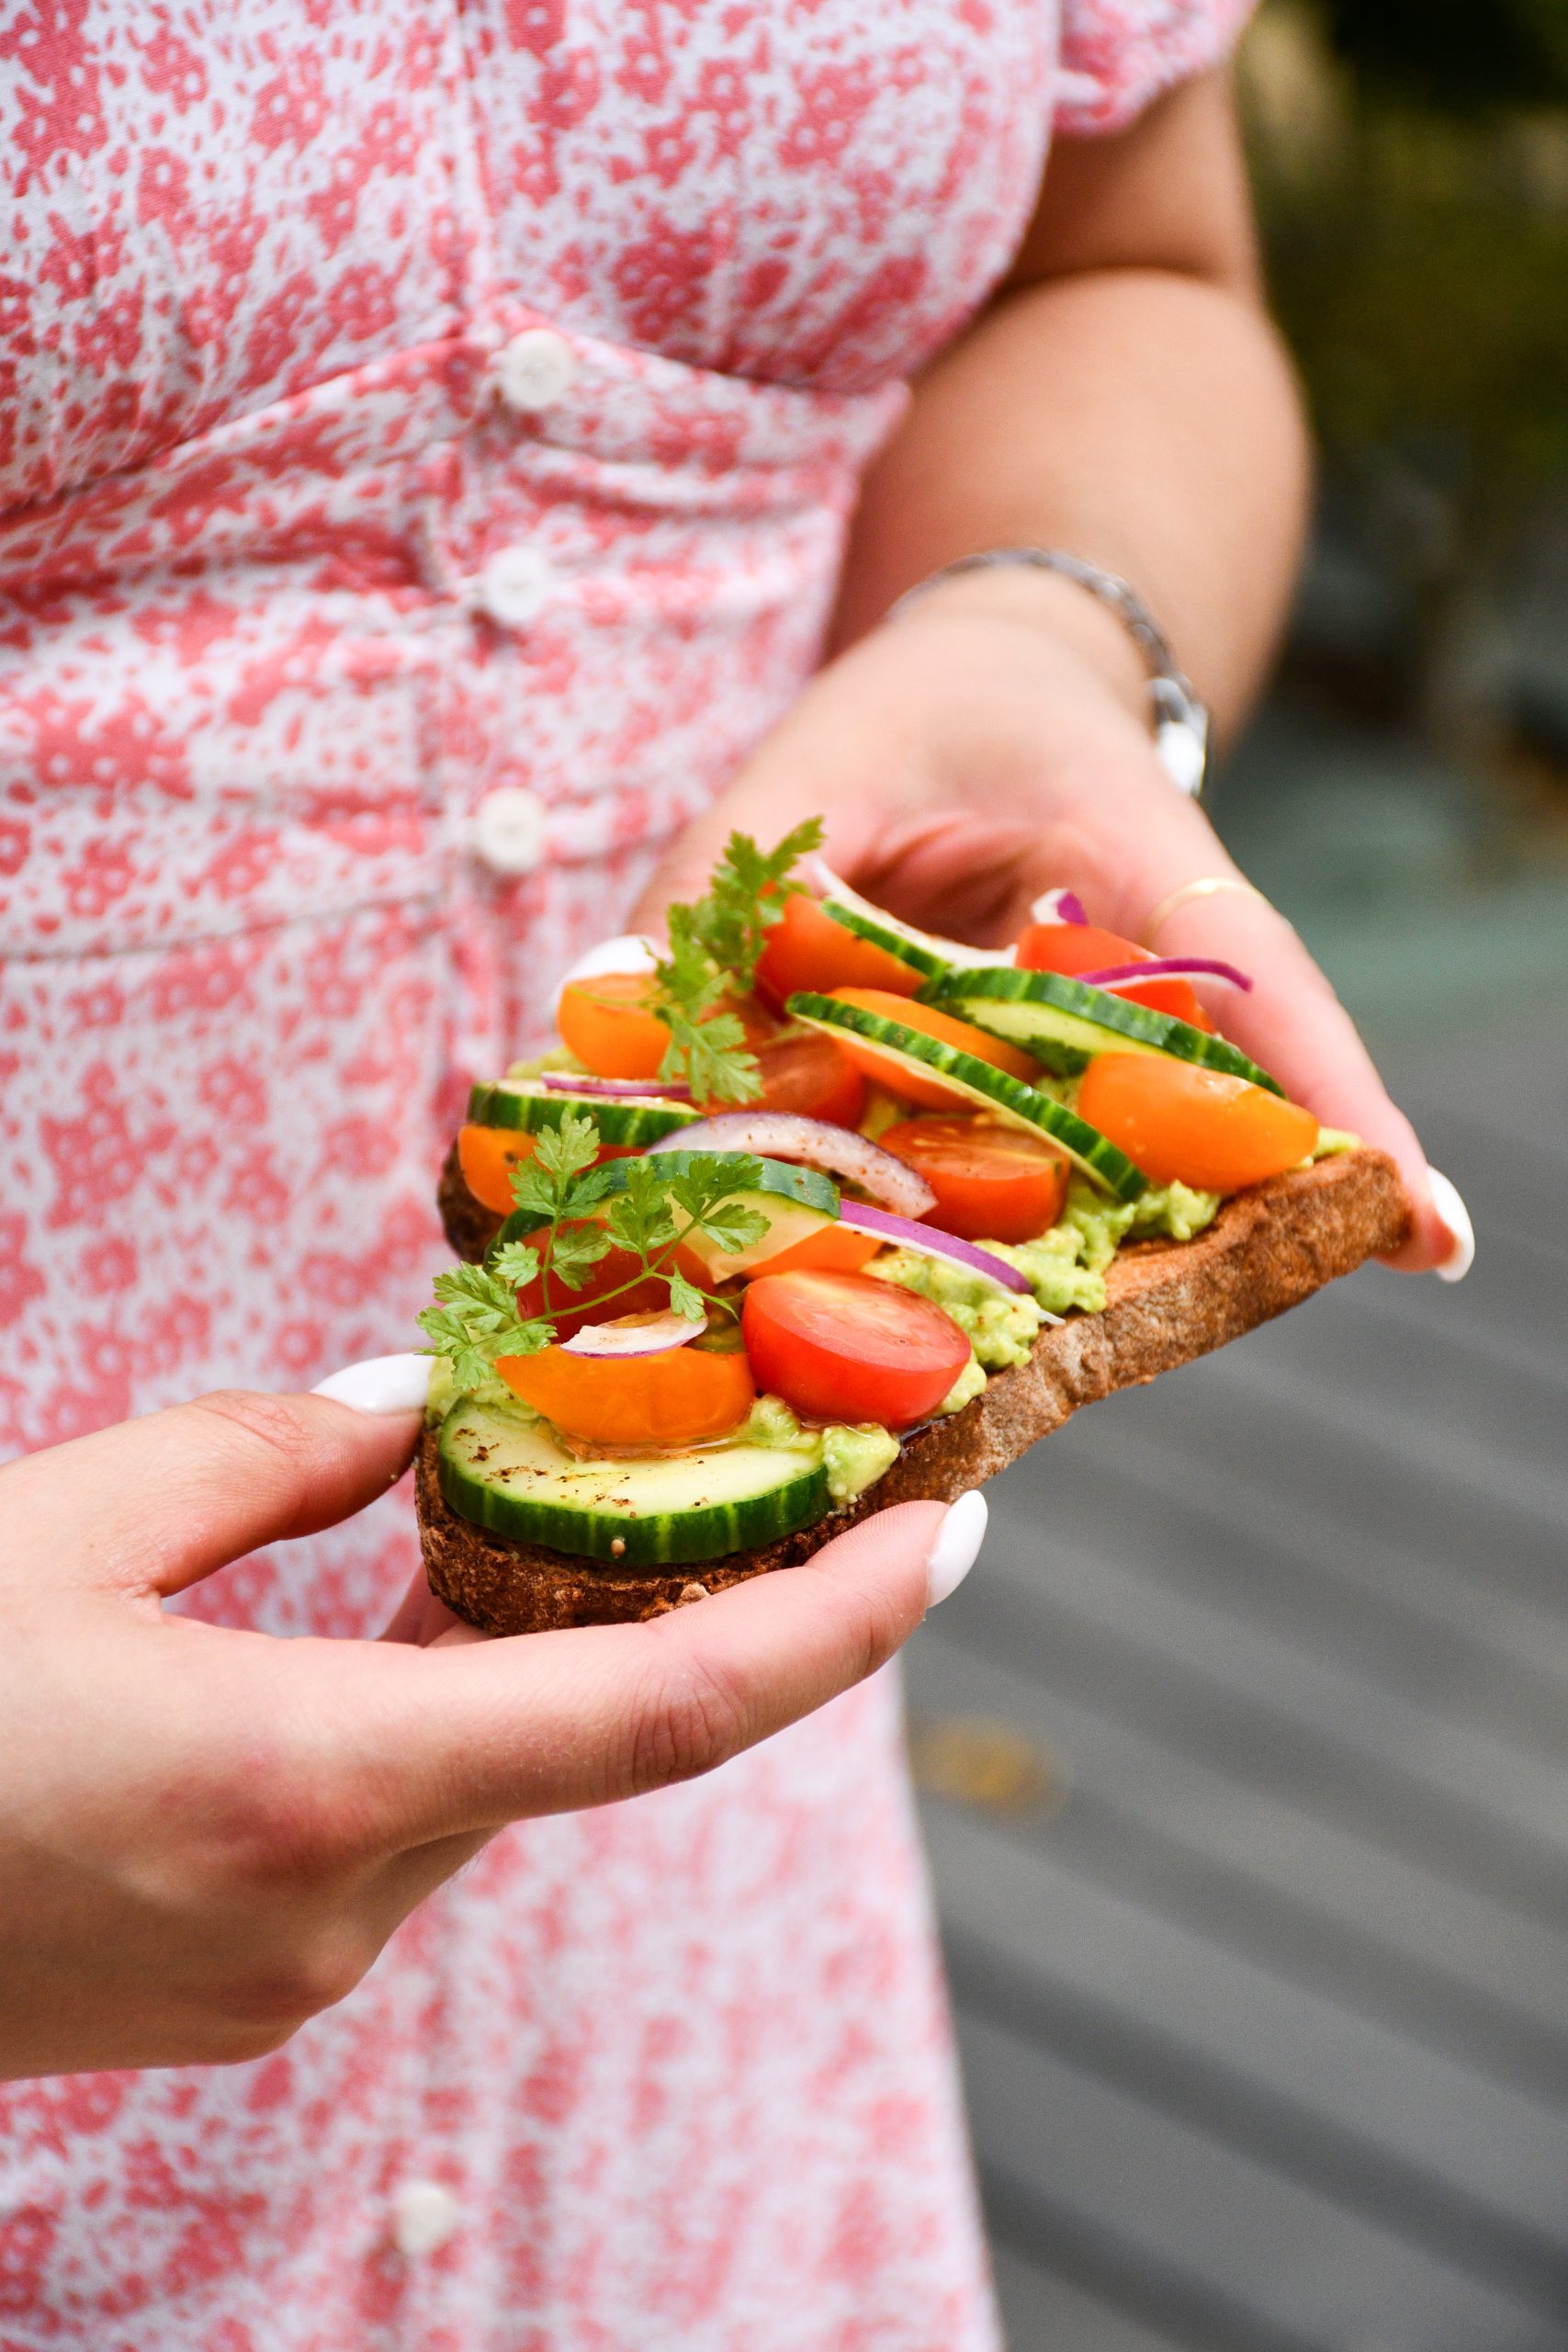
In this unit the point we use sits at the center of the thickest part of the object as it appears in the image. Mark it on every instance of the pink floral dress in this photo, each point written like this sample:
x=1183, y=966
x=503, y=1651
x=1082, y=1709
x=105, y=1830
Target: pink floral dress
x=427, y=430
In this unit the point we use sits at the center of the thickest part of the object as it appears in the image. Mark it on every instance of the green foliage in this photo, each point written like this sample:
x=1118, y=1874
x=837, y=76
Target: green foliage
x=714, y=946
x=638, y=1205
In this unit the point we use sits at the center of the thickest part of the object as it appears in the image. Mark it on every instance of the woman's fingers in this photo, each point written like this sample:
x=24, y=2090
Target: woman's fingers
x=150, y=1506
x=417, y=1745
x=1295, y=1026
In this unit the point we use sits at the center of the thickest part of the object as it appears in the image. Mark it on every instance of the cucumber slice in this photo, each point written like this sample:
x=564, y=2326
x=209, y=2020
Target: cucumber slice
x=530, y=1108
x=1062, y=1022
x=511, y=1476
x=989, y=1088
x=896, y=944
x=795, y=1201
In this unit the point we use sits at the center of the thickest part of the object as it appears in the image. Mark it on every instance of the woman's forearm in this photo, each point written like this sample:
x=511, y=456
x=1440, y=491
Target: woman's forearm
x=1141, y=417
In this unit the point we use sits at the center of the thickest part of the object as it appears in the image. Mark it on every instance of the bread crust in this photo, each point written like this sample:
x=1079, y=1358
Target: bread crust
x=1167, y=1302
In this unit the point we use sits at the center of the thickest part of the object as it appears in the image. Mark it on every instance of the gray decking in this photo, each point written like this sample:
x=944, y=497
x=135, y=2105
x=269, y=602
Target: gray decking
x=1265, y=2024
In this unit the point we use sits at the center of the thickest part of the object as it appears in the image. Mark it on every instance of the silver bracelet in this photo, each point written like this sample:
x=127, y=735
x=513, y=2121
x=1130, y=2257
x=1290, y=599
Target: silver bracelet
x=1181, y=721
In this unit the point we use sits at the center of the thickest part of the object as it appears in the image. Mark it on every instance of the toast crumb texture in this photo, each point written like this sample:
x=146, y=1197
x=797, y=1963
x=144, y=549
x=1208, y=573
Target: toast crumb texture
x=1169, y=1303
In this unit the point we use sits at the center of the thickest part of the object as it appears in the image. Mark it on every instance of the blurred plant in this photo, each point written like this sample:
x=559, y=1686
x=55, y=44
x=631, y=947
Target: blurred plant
x=1412, y=165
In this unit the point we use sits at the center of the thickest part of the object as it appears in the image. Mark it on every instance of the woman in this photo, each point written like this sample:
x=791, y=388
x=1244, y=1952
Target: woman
x=433, y=443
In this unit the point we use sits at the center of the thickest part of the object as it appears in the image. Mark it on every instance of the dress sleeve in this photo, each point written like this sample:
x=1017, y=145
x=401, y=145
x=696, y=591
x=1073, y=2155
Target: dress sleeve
x=1117, y=55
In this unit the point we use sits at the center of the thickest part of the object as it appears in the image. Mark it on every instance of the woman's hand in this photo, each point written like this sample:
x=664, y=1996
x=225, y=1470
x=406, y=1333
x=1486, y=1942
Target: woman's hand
x=992, y=743
x=207, y=1836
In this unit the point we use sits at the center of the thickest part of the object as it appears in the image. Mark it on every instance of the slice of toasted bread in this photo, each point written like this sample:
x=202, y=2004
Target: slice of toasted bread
x=1167, y=1302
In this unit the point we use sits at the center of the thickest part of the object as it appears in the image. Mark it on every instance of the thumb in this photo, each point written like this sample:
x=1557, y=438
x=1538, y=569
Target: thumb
x=151, y=1505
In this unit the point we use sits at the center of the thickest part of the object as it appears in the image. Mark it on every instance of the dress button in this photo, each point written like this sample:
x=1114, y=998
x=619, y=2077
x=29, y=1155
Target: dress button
x=514, y=586
x=509, y=830
x=537, y=369
x=425, y=2215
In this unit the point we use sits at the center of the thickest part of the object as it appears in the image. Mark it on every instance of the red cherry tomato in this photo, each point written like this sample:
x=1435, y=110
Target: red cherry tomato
x=991, y=1183
x=570, y=1309
x=807, y=949
x=1073, y=947
x=849, y=1347
x=1182, y=1125
x=807, y=1075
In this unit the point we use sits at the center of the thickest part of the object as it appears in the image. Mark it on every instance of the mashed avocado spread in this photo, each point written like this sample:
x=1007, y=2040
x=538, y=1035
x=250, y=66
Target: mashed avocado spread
x=854, y=1456
x=1065, y=1267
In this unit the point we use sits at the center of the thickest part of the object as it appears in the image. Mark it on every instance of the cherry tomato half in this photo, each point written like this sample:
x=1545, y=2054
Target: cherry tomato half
x=607, y=1023
x=849, y=1347
x=835, y=1250
x=991, y=1183
x=679, y=1398
x=487, y=1157
x=807, y=949
x=568, y=1310
x=1072, y=947
x=807, y=1074
x=928, y=1093
x=1182, y=1125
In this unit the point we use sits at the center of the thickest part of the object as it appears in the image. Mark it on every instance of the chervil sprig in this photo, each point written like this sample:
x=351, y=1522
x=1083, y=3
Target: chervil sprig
x=715, y=944
x=643, y=1208
x=476, y=1320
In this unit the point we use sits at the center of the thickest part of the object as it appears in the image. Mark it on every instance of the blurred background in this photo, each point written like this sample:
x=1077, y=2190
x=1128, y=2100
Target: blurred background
x=1245, y=1758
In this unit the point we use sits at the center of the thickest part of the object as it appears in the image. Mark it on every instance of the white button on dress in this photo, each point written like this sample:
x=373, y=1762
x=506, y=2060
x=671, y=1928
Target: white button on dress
x=508, y=833
x=537, y=369
x=425, y=2215
x=514, y=586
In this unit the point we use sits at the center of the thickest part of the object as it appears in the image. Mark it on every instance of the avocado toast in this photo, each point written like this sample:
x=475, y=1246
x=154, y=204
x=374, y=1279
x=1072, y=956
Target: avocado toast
x=768, y=1322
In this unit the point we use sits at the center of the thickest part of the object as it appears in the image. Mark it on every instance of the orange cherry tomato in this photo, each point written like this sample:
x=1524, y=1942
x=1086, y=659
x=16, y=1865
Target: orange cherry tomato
x=835, y=1250
x=607, y=1023
x=928, y=1093
x=487, y=1157
x=1073, y=947
x=681, y=1396
x=848, y=1348
x=991, y=1183
x=808, y=1075
x=1182, y=1125
x=807, y=949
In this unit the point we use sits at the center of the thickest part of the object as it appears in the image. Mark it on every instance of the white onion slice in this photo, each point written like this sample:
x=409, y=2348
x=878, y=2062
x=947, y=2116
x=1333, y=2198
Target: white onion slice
x=633, y=1335
x=904, y=1235
x=781, y=1135
x=632, y=952
x=952, y=951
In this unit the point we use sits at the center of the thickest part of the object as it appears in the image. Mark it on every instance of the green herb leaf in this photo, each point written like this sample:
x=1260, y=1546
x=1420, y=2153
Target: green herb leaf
x=685, y=1300
x=476, y=1320
x=714, y=946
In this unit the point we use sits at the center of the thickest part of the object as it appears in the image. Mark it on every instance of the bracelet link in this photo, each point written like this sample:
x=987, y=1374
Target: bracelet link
x=1180, y=720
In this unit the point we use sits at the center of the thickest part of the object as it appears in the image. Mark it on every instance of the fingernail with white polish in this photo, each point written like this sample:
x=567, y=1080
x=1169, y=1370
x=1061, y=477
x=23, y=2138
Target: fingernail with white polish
x=380, y=1385
x=957, y=1546
x=1446, y=1200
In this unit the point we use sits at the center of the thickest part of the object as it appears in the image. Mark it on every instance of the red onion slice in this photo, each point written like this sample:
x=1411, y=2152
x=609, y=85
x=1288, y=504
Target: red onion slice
x=1161, y=967
x=1059, y=906
x=904, y=1235
x=779, y=1134
x=616, y=1089
x=633, y=1335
